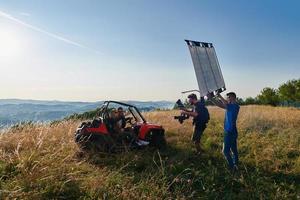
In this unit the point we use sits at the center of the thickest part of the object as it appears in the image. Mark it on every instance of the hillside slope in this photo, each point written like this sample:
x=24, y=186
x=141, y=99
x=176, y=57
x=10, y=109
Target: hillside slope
x=40, y=162
x=13, y=111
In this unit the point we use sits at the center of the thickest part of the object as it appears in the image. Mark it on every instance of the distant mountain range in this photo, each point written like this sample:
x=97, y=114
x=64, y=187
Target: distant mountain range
x=17, y=110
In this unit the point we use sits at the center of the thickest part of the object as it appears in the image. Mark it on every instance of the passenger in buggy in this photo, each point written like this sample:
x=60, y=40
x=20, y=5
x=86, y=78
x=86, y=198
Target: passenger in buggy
x=117, y=126
x=117, y=121
x=121, y=118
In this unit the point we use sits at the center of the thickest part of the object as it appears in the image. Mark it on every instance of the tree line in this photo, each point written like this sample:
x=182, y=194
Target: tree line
x=287, y=94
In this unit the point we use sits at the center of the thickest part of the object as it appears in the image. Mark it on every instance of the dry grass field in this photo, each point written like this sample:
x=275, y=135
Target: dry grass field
x=42, y=161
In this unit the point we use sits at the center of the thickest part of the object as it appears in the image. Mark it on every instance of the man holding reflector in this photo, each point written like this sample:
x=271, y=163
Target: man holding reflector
x=230, y=129
x=210, y=81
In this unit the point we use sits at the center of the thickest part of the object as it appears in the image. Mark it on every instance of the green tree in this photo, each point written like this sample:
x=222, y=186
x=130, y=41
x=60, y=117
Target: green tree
x=268, y=96
x=240, y=101
x=185, y=103
x=290, y=91
x=250, y=101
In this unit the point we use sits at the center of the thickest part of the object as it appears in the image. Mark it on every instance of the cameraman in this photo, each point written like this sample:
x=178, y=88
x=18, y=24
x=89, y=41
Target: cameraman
x=200, y=119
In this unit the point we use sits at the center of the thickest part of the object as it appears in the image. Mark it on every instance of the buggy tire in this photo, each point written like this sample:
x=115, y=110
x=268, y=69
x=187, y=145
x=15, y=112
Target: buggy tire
x=157, y=139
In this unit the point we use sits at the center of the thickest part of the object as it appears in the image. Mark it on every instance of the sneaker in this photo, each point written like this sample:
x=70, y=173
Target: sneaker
x=197, y=153
x=142, y=142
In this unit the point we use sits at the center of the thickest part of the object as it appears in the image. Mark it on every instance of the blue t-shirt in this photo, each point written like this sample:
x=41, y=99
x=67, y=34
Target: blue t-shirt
x=231, y=114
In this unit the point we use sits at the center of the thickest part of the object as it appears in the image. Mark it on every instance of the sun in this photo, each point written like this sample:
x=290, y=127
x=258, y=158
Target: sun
x=10, y=44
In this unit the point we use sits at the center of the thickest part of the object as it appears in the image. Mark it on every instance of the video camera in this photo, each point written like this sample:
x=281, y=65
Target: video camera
x=181, y=117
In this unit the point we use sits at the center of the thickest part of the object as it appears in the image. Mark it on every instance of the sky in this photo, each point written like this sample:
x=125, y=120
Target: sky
x=90, y=50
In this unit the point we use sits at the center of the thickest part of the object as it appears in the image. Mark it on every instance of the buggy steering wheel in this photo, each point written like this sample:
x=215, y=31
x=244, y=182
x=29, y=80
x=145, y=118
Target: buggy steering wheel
x=129, y=120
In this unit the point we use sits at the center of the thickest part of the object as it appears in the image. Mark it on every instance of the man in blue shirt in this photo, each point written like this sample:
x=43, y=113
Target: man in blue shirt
x=230, y=130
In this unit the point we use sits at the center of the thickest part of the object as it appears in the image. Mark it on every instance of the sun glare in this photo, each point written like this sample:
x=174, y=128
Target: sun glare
x=10, y=44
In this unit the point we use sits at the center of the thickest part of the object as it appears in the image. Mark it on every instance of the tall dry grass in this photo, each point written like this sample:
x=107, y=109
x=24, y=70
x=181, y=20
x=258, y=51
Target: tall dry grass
x=268, y=136
x=41, y=161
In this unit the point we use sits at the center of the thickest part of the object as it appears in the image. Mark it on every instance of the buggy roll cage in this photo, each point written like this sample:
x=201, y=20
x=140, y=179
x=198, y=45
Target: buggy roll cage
x=105, y=105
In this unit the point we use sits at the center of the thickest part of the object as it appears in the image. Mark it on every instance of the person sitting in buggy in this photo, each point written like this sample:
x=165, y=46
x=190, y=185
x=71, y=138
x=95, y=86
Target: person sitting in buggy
x=121, y=120
x=117, y=120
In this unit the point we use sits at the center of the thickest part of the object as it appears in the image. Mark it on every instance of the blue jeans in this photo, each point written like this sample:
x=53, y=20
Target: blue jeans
x=230, y=146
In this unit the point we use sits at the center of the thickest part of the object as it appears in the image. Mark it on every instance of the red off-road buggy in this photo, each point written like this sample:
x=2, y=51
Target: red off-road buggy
x=99, y=133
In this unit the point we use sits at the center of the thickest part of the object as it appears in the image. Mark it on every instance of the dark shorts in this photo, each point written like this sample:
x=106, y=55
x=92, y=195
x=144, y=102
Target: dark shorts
x=198, y=131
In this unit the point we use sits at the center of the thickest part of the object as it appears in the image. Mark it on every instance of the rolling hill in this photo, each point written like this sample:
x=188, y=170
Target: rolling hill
x=15, y=110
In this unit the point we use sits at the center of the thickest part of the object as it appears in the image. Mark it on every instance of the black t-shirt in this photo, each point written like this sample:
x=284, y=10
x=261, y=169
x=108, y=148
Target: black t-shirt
x=123, y=121
x=120, y=119
x=203, y=115
x=112, y=122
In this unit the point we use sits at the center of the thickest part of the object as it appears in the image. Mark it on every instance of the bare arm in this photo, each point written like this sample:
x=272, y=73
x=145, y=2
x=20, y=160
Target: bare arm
x=224, y=101
x=218, y=102
x=190, y=113
x=184, y=109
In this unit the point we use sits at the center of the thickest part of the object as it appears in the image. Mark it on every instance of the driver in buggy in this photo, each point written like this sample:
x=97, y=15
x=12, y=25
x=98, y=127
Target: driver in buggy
x=118, y=127
x=113, y=122
x=121, y=120
x=117, y=120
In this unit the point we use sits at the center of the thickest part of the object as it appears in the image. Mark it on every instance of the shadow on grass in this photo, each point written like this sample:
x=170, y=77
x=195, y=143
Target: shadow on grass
x=181, y=173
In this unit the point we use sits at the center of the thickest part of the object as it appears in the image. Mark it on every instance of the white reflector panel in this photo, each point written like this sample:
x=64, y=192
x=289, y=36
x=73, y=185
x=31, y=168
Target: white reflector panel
x=207, y=69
